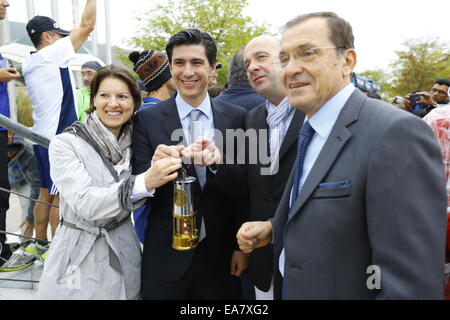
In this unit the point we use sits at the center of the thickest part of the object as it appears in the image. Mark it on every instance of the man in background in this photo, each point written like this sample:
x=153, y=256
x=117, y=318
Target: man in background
x=88, y=71
x=153, y=69
x=239, y=91
x=51, y=88
x=279, y=124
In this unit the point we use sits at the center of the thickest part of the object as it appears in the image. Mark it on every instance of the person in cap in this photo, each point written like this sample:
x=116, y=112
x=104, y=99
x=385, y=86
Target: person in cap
x=88, y=71
x=51, y=88
x=153, y=70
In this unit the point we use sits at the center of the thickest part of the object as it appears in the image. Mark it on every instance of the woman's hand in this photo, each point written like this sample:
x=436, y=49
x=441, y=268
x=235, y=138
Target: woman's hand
x=162, y=172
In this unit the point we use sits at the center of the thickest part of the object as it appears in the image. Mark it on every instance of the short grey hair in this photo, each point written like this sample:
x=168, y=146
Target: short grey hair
x=237, y=73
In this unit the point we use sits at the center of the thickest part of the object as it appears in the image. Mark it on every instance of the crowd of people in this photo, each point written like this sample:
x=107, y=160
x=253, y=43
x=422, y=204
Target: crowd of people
x=339, y=195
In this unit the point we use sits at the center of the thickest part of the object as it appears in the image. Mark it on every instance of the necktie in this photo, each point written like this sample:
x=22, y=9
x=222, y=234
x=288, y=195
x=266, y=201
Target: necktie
x=195, y=130
x=304, y=139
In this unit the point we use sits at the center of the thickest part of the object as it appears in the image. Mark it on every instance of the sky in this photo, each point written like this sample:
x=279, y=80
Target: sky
x=380, y=26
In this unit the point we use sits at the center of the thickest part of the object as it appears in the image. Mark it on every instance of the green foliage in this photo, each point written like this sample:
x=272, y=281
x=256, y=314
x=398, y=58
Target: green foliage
x=24, y=108
x=418, y=66
x=223, y=20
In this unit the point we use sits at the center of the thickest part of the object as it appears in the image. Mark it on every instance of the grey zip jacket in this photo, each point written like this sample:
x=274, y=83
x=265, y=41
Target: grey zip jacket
x=99, y=255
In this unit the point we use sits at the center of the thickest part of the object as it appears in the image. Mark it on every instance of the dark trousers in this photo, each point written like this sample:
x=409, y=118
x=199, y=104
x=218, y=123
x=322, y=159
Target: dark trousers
x=4, y=183
x=201, y=281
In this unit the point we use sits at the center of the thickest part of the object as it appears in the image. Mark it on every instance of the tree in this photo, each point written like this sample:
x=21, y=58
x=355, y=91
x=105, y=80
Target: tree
x=421, y=63
x=223, y=20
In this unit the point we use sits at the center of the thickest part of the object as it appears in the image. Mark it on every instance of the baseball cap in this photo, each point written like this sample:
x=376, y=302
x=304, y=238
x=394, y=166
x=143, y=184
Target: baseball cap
x=41, y=24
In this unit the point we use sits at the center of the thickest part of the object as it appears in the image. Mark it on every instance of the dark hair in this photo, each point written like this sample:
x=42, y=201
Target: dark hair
x=237, y=73
x=193, y=36
x=115, y=72
x=37, y=38
x=443, y=82
x=341, y=33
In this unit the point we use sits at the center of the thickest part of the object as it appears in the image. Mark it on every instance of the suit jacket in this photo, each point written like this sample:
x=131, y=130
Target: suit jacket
x=265, y=191
x=216, y=202
x=242, y=95
x=383, y=204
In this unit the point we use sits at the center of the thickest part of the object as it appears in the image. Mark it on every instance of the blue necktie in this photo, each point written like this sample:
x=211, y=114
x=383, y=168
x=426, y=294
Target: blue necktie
x=304, y=139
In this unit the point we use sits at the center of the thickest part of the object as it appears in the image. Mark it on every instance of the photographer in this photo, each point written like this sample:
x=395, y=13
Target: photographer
x=419, y=103
x=439, y=92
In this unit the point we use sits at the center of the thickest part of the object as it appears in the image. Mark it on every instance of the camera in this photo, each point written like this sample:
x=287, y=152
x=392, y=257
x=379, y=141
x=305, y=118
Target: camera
x=418, y=108
x=415, y=98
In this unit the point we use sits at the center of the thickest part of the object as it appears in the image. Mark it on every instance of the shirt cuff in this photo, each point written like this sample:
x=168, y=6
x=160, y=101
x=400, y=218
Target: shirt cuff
x=139, y=191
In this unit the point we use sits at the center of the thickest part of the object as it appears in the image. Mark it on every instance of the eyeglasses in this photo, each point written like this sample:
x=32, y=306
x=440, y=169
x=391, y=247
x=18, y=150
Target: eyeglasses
x=438, y=91
x=302, y=55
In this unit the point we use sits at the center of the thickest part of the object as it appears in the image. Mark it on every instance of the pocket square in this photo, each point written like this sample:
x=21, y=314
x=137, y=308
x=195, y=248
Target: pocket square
x=334, y=184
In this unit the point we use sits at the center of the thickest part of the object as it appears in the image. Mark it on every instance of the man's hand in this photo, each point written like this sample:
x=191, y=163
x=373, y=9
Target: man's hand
x=162, y=172
x=427, y=99
x=203, y=153
x=8, y=74
x=253, y=235
x=239, y=262
x=163, y=152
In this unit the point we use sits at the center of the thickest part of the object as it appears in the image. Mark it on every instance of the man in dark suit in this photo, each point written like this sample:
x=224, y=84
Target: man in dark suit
x=277, y=125
x=363, y=213
x=199, y=273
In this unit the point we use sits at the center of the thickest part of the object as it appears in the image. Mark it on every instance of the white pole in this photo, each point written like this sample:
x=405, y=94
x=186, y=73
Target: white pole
x=94, y=35
x=108, y=34
x=75, y=13
x=55, y=11
x=30, y=9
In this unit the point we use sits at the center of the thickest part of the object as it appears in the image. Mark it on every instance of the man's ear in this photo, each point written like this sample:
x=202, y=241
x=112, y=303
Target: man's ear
x=349, y=64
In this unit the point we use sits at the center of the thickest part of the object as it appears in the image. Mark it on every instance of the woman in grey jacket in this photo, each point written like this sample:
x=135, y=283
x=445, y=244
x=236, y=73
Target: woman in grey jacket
x=95, y=253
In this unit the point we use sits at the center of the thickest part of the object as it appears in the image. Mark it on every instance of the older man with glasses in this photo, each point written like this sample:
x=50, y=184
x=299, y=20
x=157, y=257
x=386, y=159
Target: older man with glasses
x=364, y=210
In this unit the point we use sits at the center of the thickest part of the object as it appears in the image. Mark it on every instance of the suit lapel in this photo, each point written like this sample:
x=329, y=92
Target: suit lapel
x=339, y=136
x=220, y=118
x=172, y=122
x=292, y=133
x=336, y=141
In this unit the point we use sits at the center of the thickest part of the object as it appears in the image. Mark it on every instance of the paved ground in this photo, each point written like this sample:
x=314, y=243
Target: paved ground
x=16, y=290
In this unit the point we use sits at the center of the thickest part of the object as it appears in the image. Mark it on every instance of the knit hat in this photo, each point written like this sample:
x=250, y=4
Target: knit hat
x=94, y=65
x=152, y=67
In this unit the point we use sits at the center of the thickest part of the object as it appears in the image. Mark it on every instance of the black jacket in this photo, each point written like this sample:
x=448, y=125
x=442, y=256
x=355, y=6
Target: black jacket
x=217, y=202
